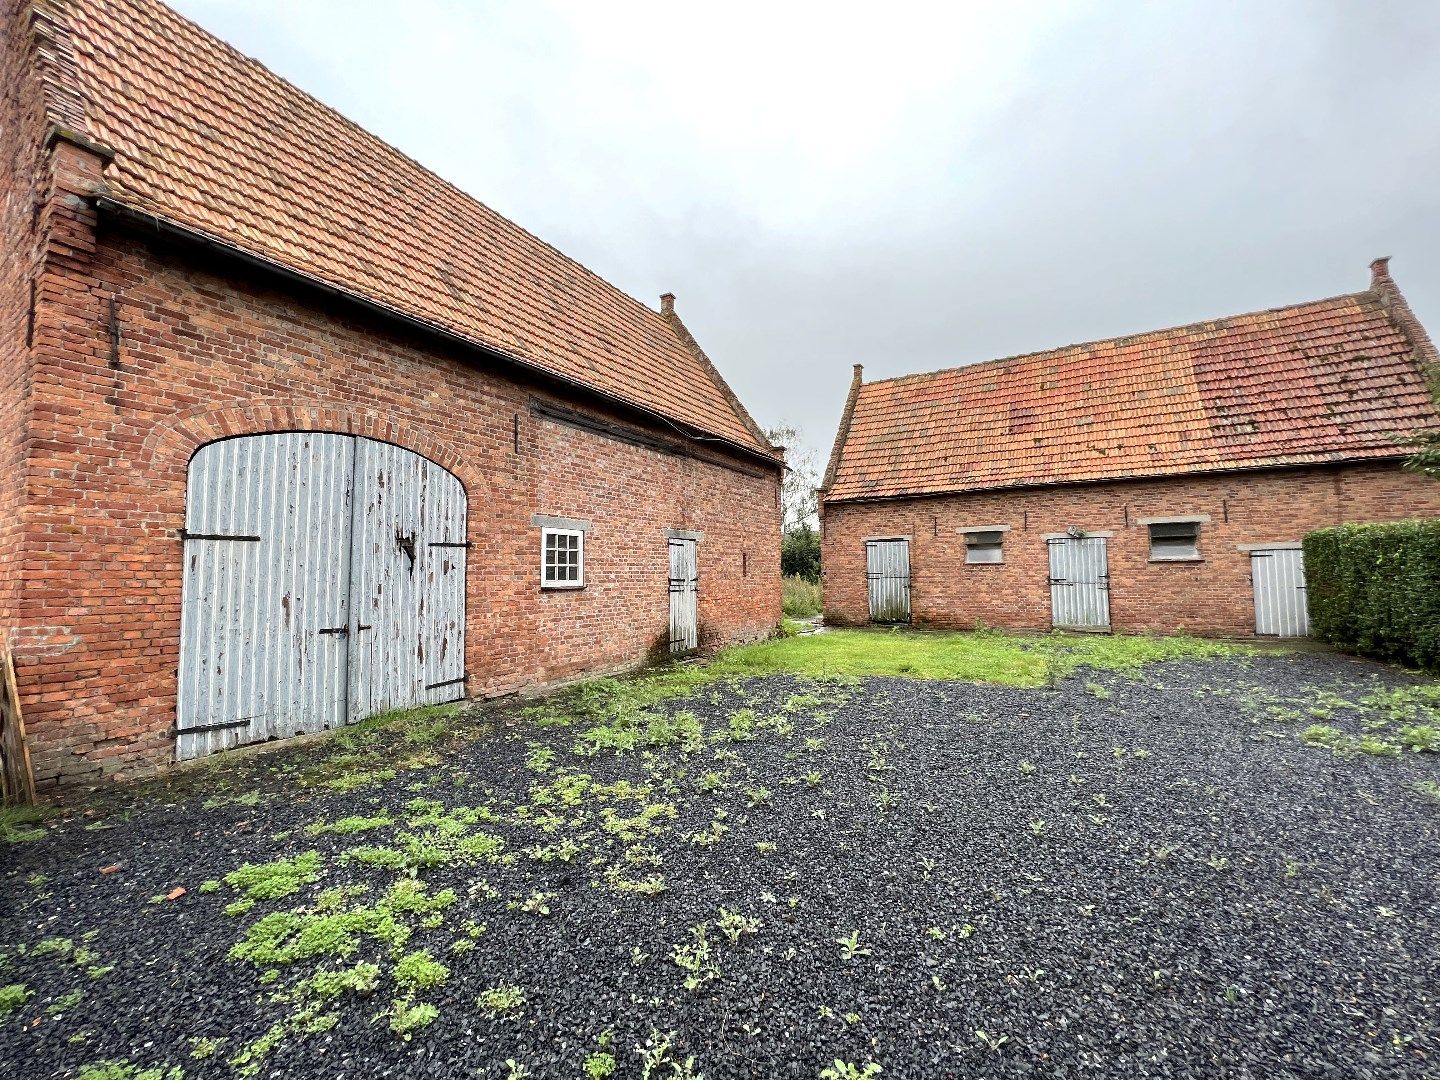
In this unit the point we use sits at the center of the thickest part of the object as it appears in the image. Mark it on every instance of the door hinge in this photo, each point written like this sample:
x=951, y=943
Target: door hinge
x=448, y=682
x=186, y=535
x=221, y=726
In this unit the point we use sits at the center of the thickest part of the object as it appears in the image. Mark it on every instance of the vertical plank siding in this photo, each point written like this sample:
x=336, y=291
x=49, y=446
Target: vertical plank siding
x=292, y=544
x=684, y=596
x=1079, y=582
x=1278, y=578
x=888, y=569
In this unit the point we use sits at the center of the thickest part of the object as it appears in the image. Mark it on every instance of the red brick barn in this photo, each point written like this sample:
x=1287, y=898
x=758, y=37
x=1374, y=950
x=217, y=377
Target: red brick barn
x=1160, y=482
x=292, y=431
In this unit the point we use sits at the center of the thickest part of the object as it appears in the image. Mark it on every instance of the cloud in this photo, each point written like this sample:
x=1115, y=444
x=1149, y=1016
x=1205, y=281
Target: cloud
x=910, y=185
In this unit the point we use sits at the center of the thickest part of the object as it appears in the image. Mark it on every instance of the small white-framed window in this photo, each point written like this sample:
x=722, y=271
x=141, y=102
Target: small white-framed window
x=562, y=559
x=1174, y=541
x=985, y=546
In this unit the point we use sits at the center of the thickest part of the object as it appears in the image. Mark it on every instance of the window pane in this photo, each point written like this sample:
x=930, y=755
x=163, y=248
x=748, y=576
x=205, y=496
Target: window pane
x=984, y=553
x=1173, y=549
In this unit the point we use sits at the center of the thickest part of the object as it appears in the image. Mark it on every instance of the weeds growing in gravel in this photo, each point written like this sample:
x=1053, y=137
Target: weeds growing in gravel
x=845, y=1070
x=21, y=823
x=501, y=1001
x=658, y=1059
x=273, y=880
x=993, y=1043
x=850, y=946
x=11, y=998
x=125, y=1070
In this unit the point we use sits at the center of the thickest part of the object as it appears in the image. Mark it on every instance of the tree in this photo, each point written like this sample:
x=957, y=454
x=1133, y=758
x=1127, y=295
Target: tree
x=800, y=553
x=798, y=503
x=1426, y=458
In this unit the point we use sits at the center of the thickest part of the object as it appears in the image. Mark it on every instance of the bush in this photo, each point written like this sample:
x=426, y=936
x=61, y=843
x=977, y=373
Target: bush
x=800, y=554
x=800, y=598
x=1375, y=589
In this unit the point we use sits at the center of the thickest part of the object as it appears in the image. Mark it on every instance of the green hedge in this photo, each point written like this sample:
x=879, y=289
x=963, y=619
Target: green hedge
x=1375, y=589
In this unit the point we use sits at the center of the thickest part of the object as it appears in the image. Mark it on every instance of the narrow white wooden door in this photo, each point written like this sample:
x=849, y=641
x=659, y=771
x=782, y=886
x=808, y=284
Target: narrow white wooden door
x=1277, y=576
x=1079, y=583
x=887, y=571
x=684, y=596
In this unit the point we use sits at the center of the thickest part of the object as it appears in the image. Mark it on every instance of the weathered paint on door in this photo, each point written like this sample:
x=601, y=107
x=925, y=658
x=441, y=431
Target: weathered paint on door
x=1277, y=576
x=301, y=607
x=1079, y=582
x=684, y=596
x=408, y=582
x=887, y=565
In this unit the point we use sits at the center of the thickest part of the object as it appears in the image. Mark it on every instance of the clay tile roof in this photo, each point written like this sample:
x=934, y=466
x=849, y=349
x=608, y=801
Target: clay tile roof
x=1334, y=380
x=212, y=141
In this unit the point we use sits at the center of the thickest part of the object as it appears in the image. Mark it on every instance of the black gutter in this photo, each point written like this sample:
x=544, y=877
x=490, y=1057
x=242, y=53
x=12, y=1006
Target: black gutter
x=422, y=326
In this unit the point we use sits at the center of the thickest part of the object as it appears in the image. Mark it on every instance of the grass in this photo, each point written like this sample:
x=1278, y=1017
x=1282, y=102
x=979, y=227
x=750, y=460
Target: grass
x=800, y=598
x=1007, y=659
x=20, y=823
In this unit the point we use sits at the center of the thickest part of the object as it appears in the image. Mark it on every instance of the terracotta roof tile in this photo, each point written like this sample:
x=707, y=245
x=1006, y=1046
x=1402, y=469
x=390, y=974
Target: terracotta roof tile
x=1333, y=380
x=211, y=140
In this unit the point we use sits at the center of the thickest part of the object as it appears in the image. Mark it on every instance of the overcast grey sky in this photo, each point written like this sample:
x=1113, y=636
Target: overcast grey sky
x=905, y=185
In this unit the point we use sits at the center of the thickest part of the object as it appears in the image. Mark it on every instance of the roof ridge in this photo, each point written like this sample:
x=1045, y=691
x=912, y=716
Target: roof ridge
x=1223, y=322
x=365, y=133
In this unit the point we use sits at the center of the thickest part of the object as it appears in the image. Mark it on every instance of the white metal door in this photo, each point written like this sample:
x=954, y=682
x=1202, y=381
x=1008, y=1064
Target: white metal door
x=887, y=568
x=1278, y=578
x=684, y=596
x=1079, y=583
x=283, y=566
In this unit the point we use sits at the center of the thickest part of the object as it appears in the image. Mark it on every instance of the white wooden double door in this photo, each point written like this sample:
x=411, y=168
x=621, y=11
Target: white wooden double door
x=324, y=582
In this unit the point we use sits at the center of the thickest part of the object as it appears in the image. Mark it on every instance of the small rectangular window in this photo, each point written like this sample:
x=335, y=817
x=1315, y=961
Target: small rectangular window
x=984, y=547
x=1175, y=540
x=562, y=559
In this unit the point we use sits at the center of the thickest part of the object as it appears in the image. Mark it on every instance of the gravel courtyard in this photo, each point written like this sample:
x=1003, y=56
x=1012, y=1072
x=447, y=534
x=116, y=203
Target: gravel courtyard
x=1223, y=867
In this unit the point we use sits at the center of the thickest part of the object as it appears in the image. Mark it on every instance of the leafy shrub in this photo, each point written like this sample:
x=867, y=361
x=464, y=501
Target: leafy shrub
x=799, y=597
x=1375, y=589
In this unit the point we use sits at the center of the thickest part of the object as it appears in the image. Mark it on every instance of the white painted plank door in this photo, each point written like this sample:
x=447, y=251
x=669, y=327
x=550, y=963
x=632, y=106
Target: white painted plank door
x=1079, y=583
x=684, y=596
x=264, y=591
x=407, y=624
x=1277, y=576
x=887, y=572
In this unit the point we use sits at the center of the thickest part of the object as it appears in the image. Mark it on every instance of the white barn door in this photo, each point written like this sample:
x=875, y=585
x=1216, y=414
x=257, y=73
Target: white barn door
x=302, y=608
x=887, y=570
x=407, y=582
x=1079, y=583
x=684, y=596
x=1277, y=576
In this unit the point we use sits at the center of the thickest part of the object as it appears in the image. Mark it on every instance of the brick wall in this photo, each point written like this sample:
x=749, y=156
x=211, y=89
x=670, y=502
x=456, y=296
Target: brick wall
x=1210, y=596
x=22, y=128
x=207, y=352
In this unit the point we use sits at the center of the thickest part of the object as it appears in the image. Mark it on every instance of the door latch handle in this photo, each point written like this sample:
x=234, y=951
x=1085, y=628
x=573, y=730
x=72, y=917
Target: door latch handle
x=364, y=626
x=339, y=631
x=407, y=545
